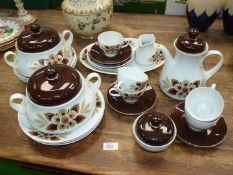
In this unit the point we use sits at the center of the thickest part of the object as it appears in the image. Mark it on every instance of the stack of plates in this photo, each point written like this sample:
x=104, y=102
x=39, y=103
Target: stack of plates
x=65, y=138
x=10, y=29
x=99, y=60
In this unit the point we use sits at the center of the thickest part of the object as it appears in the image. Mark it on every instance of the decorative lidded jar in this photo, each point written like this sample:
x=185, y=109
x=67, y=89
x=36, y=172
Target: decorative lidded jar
x=58, y=99
x=154, y=131
x=87, y=18
x=40, y=46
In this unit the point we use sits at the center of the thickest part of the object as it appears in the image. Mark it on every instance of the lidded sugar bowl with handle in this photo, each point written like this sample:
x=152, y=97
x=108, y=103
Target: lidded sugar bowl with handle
x=185, y=72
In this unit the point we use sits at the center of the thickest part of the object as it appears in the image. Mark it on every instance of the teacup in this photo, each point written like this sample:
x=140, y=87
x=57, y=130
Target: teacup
x=30, y=54
x=131, y=79
x=203, y=108
x=58, y=105
x=129, y=97
x=111, y=42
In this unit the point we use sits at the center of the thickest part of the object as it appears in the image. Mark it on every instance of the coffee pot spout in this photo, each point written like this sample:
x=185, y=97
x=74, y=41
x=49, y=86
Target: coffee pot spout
x=169, y=61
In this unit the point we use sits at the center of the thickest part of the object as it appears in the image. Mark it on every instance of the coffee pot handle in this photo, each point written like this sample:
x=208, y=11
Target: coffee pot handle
x=212, y=71
x=10, y=63
x=16, y=106
x=94, y=85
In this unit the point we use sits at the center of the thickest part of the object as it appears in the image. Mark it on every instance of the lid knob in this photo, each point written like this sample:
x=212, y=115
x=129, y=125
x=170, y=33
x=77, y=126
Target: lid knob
x=51, y=74
x=35, y=28
x=156, y=122
x=193, y=33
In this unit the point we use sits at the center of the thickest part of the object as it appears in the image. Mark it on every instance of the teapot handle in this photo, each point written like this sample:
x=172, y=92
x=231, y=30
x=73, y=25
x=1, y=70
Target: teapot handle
x=212, y=71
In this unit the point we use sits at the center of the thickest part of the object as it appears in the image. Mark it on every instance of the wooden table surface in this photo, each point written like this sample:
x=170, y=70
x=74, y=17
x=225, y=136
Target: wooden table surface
x=87, y=155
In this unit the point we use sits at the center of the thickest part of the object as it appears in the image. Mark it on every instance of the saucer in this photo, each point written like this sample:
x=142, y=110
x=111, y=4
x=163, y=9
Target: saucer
x=145, y=103
x=65, y=138
x=97, y=56
x=205, y=139
x=73, y=62
x=83, y=56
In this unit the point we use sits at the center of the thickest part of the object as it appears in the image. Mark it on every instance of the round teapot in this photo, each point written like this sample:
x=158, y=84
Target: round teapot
x=58, y=99
x=185, y=72
x=38, y=47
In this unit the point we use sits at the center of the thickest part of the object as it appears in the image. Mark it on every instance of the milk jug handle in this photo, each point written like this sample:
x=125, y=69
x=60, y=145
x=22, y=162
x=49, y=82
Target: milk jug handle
x=217, y=54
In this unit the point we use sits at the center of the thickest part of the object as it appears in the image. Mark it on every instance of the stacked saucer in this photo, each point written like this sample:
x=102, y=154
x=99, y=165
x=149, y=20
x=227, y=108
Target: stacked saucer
x=65, y=138
x=10, y=29
x=97, y=58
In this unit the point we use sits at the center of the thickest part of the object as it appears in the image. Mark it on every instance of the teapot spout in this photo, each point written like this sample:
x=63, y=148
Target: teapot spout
x=169, y=61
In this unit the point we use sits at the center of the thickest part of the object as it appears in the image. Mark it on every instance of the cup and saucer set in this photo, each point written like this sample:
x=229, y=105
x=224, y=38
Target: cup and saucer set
x=113, y=51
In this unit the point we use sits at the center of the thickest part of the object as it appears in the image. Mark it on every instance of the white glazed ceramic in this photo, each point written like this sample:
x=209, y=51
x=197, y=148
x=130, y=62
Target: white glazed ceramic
x=131, y=79
x=203, y=108
x=111, y=42
x=83, y=56
x=185, y=72
x=87, y=18
x=145, y=50
x=69, y=137
x=129, y=97
x=27, y=63
x=72, y=64
x=51, y=119
x=150, y=147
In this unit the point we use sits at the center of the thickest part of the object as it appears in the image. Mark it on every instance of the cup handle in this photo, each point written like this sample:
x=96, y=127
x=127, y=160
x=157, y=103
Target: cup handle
x=10, y=63
x=18, y=107
x=70, y=38
x=114, y=94
x=125, y=45
x=212, y=71
x=95, y=86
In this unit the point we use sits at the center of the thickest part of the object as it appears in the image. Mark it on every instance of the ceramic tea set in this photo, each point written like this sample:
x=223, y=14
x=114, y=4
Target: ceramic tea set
x=61, y=106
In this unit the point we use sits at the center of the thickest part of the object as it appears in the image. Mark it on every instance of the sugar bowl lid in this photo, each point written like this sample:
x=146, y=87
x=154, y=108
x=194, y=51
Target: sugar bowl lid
x=38, y=39
x=54, y=85
x=191, y=43
x=155, y=129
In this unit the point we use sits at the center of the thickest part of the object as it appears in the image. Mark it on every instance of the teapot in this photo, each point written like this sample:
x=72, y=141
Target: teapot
x=185, y=72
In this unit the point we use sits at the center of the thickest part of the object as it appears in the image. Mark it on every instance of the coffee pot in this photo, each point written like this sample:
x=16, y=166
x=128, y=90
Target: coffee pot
x=185, y=72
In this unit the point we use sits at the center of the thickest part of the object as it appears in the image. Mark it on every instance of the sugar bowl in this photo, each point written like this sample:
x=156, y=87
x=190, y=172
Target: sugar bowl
x=154, y=132
x=58, y=99
x=38, y=47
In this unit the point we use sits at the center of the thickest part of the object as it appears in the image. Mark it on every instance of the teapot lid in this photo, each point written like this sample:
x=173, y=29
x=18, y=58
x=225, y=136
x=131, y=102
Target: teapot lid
x=155, y=129
x=38, y=39
x=191, y=43
x=54, y=85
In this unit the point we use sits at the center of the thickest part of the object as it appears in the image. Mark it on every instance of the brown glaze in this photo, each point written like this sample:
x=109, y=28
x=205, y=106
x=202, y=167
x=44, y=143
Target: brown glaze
x=145, y=103
x=38, y=39
x=208, y=138
x=98, y=57
x=191, y=43
x=155, y=129
x=54, y=85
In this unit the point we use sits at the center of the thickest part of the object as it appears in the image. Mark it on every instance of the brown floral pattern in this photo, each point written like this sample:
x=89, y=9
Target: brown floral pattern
x=158, y=57
x=45, y=136
x=181, y=89
x=64, y=119
x=112, y=48
x=84, y=56
x=138, y=86
x=57, y=137
x=62, y=57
